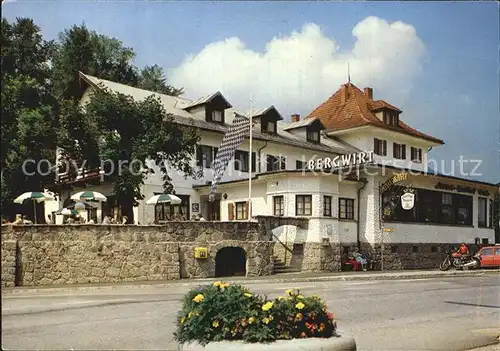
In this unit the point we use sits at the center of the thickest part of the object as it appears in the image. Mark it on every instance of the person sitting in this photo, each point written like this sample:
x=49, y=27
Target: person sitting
x=360, y=259
x=49, y=219
x=91, y=221
x=106, y=221
x=26, y=220
x=18, y=220
x=124, y=220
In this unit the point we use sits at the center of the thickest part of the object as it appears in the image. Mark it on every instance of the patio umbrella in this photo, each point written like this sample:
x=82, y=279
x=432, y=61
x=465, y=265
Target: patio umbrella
x=34, y=196
x=80, y=206
x=88, y=196
x=164, y=199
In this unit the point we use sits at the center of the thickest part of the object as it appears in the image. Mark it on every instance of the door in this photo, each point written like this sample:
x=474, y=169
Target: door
x=497, y=256
x=487, y=258
x=214, y=211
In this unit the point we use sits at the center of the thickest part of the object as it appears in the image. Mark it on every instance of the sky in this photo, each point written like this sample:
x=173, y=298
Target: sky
x=437, y=61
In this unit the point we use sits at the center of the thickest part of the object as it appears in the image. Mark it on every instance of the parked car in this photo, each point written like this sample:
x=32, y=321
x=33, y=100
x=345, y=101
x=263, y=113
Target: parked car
x=490, y=256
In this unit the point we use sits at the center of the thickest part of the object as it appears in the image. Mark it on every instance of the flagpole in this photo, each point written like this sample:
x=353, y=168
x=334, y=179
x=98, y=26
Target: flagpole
x=250, y=165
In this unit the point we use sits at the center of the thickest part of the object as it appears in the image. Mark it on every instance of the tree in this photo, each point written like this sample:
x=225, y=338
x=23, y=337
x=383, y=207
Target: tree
x=81, y=49
x=127, y=135
x=27, y=111
x=153, y=78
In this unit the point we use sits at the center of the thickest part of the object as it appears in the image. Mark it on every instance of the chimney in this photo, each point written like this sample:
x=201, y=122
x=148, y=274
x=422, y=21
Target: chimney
x=369, y=93
x=295, y=117
x=344, y=94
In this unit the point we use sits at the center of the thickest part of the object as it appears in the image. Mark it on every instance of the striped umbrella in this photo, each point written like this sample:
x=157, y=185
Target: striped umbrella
x=164, y=199
x=34, y=196
x=89, y=196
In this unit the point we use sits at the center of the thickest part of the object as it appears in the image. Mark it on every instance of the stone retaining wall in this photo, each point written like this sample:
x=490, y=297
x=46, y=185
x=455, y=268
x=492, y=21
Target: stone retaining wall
x=72, y=254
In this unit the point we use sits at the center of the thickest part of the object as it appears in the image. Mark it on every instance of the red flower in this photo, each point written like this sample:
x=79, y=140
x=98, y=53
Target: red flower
x=303, y=335
x=330, y=316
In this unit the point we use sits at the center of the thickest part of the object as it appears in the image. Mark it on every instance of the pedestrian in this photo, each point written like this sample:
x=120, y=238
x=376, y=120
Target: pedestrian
x=26, y=220
x=18, y=220
x=49, y=219
x=106, y=221
x=124, y=220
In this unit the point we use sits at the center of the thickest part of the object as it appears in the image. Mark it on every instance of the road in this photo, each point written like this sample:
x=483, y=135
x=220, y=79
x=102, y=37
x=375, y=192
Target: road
x=425, y=314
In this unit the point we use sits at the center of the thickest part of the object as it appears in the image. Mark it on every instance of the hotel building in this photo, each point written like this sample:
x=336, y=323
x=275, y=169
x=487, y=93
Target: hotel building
x=296, y=171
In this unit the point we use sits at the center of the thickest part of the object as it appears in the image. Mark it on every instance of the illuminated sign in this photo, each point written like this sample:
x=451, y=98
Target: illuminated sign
x=341, y=161
x=393, y=180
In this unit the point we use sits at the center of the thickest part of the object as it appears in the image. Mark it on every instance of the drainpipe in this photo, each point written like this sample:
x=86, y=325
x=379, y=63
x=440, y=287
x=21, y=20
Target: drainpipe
x=260, y=161
x=364, y=182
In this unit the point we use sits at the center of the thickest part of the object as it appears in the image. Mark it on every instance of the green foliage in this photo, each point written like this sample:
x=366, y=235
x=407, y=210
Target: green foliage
x=153, y=78
x=230, y=312
x=27, y=110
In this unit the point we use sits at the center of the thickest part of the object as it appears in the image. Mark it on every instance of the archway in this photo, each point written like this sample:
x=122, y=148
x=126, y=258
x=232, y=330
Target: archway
x=230, y=261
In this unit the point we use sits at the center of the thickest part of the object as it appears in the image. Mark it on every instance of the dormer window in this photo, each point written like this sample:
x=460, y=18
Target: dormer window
x=391, y=118
x=217, y=116
x=313, y=136
x=269, y=127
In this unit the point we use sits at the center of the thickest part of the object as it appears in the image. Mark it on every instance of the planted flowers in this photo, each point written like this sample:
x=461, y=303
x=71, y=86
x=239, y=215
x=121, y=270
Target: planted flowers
x=222, y=311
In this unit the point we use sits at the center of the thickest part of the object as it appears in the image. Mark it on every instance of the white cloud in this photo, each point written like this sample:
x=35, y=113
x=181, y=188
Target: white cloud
x=298, y=72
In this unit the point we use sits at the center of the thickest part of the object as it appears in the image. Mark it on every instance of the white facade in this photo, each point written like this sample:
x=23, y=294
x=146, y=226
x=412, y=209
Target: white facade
x=288, y=182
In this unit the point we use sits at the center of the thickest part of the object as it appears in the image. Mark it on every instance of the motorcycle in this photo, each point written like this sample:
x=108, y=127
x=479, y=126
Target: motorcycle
x=460, y=261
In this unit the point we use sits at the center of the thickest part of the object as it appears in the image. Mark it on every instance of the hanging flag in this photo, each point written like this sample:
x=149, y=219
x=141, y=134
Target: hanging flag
x=232, y=140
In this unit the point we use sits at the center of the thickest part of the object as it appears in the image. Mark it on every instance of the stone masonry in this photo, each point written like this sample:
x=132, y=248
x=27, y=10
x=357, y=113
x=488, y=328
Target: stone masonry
x=72, y=254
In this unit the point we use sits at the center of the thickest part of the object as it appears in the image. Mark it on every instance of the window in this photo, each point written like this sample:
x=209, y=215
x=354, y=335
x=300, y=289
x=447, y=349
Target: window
x=300, y=164
x=242, y=210
x=275, y=163
x=487, y=252
x=481, y=214
x=434, y=249
x=166, y=212
x=268, y=126
x=394, y=249
x=217, y=116
x=446, y=211
x=205, y=155
x=415, y=249
x=313, y=135
x=346, y=208
x=491, y=213
x=327, y=206
x=303, y=205
x=278, y=208
x=464, y=209
x=380, y=147
x=391, y=118
x=485, y=241
x=416, y=155
x=399, y=151
x=241, y=161
x=428, y=201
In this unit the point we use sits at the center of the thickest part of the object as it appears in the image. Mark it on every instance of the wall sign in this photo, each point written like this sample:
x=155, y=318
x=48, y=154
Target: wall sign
x=195, y=207
x=341, y=161
x=397, y=178
x=408, y=199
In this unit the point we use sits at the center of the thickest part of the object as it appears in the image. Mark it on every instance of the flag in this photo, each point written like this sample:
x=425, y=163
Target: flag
x=232, y=140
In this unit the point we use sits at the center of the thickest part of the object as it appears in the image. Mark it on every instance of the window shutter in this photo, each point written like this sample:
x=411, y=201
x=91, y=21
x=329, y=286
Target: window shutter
x=283, y=163
x=385, y=147
x=246, y=209
x=230, y=211
x=253, y=162
x=403, y=152
x=199, y=156
x=208, y=114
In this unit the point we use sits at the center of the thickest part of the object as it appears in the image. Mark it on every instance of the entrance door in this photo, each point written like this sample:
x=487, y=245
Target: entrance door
x=214, y=211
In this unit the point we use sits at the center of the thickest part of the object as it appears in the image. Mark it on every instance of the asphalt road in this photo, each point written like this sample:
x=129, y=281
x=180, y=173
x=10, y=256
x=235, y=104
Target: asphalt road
x=426, y=314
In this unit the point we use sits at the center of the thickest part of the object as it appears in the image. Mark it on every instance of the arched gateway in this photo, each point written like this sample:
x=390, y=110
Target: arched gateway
x=230, y=261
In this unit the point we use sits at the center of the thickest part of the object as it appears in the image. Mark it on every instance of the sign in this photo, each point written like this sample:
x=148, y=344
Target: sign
x=341, y=161
x=397, y=178
x=407, y=200
x=195, y=207
x=201, y=252
x=387, y=230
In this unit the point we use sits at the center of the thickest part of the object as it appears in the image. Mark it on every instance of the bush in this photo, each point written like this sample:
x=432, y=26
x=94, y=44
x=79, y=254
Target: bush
x=231, y=312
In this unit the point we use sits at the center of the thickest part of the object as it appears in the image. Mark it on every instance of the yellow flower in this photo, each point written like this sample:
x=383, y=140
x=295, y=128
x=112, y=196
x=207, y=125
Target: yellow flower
x=266, y=320
x=280, y=298
x=198, y=298
x=251, y=320
x=217, y=283
x=267, y=306
x=248, y=294
x=215, y=324
x=224, y=285
x=182, y=320
x=300, y=305
x=300, y=296
x=289, y=291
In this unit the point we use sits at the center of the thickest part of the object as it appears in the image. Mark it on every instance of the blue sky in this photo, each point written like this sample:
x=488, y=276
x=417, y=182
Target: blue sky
x=444, y=75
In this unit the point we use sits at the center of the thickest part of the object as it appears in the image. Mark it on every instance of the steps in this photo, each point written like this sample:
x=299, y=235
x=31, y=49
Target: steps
x=281, y=267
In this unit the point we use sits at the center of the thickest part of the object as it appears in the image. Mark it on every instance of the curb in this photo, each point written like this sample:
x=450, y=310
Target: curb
x=283, y=279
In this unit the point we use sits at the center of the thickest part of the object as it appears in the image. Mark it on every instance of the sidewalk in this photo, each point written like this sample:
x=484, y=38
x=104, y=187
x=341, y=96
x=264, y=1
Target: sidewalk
x=277, y=278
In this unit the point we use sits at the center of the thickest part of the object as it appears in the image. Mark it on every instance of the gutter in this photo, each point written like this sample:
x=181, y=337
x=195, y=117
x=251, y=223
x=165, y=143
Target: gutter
x=364, y=182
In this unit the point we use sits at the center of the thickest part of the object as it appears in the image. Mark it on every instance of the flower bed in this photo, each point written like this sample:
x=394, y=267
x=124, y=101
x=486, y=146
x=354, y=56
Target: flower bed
x=227, y=312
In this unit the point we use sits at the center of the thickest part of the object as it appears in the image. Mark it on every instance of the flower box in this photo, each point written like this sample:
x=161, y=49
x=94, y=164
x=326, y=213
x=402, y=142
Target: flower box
x=221, y=316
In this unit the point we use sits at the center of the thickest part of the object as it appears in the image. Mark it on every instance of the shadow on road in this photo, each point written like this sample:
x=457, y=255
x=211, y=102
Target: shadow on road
x=471, y=304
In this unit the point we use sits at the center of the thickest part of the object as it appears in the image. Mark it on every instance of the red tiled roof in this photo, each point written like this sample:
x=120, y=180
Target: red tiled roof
x=357, y=111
